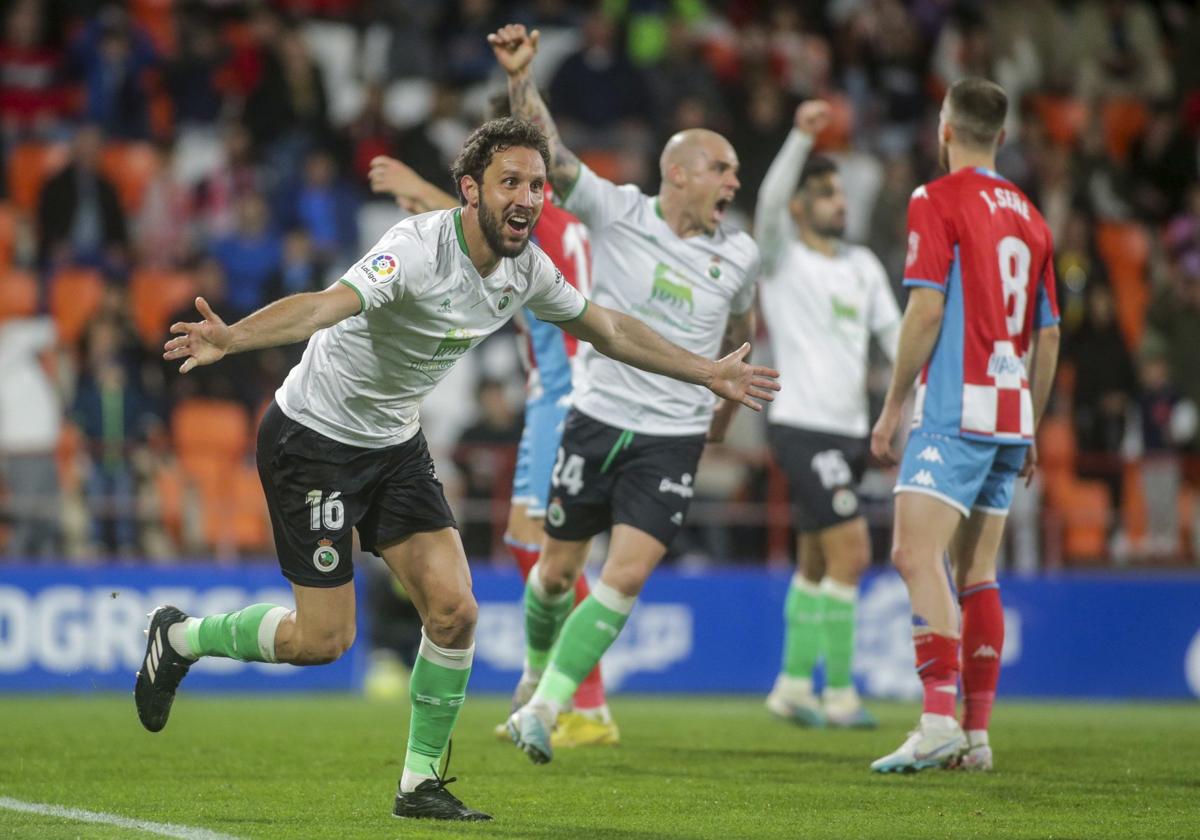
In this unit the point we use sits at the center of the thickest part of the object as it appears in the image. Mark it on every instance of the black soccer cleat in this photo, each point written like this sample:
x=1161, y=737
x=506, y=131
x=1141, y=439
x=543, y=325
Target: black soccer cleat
x=431, y=801
x=162, y=670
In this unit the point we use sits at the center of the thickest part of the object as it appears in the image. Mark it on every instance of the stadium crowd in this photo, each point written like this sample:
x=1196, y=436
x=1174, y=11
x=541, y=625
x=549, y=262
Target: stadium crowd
x=157, y=150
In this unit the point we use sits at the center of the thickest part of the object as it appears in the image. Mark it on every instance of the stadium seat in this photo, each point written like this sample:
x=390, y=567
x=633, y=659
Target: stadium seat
x=157, y=19
x=1063, y=117
x=1125, y=247
x=1123, y=120
x=29, y=165
x=1086, y=517
x=130, y=167
x=18, y=294
x=75, y=294
x=8, y=235
x=250, y=510
x=203, y=429
x=604, y=163
x=153, y=296
x=1056, y=444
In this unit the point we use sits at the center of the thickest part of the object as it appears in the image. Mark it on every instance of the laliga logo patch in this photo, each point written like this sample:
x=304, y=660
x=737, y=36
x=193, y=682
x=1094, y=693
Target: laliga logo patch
x=379, y=268
x=325, y=558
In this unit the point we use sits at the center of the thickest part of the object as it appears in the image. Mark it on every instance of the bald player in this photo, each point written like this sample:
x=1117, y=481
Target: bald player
x=631, y=442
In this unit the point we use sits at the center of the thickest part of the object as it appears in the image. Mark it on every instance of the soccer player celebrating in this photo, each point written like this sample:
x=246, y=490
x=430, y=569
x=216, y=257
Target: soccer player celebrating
x=631, y=442
x=548, y=354
x=342, y=448
x=823, y=301
x=981, y=329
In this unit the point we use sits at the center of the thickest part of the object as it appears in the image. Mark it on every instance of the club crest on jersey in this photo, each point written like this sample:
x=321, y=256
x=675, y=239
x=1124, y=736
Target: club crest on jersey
x=379, y=268
x=325, y=558
x=714, y=268
x=555, y=514
x=505, y=299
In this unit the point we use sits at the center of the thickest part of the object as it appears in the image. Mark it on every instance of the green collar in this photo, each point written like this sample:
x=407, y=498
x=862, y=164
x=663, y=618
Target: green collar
x=458, y=231
x=658, y=209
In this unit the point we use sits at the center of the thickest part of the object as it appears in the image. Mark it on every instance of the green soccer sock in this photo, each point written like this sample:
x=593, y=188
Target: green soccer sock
x=248, y=634
x=802, y=628
x=589, y=631
x=437, y=688
x=837, y=631
x=544, y=617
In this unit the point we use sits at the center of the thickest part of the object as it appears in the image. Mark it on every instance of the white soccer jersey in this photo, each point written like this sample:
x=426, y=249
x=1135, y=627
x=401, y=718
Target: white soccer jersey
x=820, y=312
x=685, y=289
x=423, y=307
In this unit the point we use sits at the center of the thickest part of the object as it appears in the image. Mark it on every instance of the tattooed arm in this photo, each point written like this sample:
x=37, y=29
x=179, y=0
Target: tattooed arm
x=514, y=49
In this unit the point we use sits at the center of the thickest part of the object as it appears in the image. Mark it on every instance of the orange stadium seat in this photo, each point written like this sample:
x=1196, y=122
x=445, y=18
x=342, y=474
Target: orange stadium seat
x=75, y=294
x=18, y=294
x=1056, y=444
x=8, y=235
x=603, y=163
x=1123, y=120
x=1125, y=248
x=153, y=296
x=203, y=429
x=29, y=165
x=1086, y=516
x=130, y=166
x=250, y=510
x=1063, y=117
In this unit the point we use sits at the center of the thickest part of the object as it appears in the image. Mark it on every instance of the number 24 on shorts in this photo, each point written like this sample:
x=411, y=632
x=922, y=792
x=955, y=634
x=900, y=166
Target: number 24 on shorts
x=568, y=472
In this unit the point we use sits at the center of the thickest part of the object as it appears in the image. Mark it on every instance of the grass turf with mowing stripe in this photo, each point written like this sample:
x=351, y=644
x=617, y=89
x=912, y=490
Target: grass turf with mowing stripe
x=325, y=766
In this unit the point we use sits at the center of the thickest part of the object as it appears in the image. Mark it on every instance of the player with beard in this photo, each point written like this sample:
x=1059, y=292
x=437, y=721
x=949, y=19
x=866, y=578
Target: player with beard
x=823, y=301
x=981, y=329
x=341, y=447
x=632, y=440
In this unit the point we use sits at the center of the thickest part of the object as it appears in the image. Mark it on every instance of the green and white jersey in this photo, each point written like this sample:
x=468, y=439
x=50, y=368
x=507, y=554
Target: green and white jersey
x=684, y=289
x=424, y=306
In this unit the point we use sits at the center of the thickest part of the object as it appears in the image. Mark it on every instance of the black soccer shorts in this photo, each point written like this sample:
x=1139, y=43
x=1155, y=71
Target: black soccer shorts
x=823, y=471
x=604, y=476
x=318, y=489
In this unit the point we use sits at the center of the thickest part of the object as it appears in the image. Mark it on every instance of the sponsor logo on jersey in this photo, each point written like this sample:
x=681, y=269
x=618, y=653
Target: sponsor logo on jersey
x=683, y=487
x=1005, y=366
x=924, y=478
x=325, y=558
x=931, y=454
x=454, y=344
x=843, y=311
x=675, y=292
x=379, y=268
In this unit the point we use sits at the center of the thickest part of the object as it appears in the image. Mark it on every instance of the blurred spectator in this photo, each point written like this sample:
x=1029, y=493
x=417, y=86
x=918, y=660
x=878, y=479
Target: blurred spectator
x=1105, y=385
x=1078, y=268
x=1120, y=50
x=597, y=87
x=682, y=74
x=370, y=134
x=30, y=423
x=1157, y=407
x=431, y=146
x=464, y=55
x=1163, y=163
x=80, y=219
x=114, y=416
x=249, y=255
x=216, y=197
x=485, y=459
x=193, y=73
x=758, y=132
x=1173, y=328
x=326, y=206
x=300, y=270
x=32, y=98
x=112, y=57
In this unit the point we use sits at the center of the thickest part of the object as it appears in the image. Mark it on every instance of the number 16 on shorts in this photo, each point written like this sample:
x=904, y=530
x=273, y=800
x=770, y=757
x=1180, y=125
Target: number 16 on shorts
x=329, y=515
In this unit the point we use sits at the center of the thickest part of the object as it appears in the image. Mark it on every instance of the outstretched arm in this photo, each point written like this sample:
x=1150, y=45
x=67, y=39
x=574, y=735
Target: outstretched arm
x=626, y=339
x=772, y=222
x=411, y=191
x=918, y=334
x=285, y=321
x=514, y=49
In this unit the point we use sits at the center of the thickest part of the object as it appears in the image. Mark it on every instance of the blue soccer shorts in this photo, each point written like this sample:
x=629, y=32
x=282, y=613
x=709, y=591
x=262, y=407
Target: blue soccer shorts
x=965, y=474
x=536, y=452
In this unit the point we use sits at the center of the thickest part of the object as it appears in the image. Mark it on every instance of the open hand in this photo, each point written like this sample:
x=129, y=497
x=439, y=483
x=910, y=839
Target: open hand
x=737, y=381
x=1030, y=465
x=388, y=175
x=514, y=47
x=200, y=343
x=812, y=116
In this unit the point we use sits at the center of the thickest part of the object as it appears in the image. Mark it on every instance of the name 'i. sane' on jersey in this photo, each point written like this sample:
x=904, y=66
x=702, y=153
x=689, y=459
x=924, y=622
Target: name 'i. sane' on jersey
x=976, y=238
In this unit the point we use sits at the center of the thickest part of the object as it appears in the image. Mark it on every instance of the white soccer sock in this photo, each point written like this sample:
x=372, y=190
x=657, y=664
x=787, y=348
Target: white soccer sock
x=977, y=737
x=177, y=636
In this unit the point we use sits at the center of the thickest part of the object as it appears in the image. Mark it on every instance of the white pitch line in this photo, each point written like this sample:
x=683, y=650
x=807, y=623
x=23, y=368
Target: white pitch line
x=182, y=832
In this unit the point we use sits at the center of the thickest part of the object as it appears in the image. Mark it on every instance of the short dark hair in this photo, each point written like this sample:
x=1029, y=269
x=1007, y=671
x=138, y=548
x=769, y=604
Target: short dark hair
x=977, y=108
x=817, y=166
x=491, y=137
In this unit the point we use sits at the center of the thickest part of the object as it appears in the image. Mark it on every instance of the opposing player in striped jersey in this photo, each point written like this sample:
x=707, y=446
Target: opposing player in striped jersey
x=341, y=450
x=823, y=301
x=631, y=443
x=548, y=354
x=981, y=330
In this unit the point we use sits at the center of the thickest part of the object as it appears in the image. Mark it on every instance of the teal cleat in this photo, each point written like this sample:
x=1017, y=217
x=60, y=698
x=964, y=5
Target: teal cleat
x=531, y=735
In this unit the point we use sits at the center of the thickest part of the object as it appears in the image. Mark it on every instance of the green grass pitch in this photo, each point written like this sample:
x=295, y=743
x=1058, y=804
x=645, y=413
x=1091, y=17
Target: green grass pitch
x=318, y=766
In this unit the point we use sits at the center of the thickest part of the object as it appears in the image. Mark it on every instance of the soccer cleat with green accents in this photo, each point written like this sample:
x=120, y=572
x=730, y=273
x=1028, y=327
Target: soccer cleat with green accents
x=800, y=710
x=163, y=668
x=531, y=735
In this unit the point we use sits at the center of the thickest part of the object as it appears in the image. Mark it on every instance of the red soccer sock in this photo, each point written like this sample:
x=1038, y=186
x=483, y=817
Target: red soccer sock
x=937, y=666
x=983, y=642
x=525, y=555
x=590, y=694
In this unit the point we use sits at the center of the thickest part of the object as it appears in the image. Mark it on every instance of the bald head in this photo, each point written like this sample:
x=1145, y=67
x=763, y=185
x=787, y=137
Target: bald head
x=693, y=147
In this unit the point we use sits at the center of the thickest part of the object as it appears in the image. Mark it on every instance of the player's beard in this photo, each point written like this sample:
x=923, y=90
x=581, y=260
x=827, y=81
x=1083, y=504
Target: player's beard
x=492, y=225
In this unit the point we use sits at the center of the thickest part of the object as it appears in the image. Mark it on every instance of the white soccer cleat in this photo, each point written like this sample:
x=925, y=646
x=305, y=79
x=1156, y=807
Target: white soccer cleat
x=977, y=759
x=936, y=742
x=844, y=710
x=799, y=707
x=530, y=732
